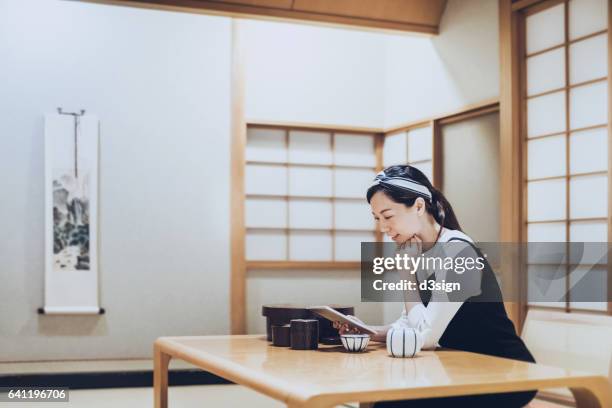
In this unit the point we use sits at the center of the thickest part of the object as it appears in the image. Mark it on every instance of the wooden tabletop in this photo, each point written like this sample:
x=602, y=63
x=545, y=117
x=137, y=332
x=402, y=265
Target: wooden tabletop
x=330, y=375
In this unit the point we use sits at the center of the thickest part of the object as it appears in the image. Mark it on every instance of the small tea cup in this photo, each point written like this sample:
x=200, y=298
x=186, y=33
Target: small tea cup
x=355, y=343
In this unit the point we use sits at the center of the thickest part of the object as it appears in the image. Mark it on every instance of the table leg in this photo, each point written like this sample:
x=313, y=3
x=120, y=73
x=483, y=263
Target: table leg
x=160, y=377
x=595, y=394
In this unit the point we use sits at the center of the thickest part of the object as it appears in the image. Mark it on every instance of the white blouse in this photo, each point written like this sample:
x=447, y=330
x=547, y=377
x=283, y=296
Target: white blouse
x=432, y=320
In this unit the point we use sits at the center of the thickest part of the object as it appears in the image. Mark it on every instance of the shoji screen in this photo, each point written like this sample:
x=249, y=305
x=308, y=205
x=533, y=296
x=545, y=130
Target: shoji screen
x=414, y=147
x=566, y=130
x=305, y=195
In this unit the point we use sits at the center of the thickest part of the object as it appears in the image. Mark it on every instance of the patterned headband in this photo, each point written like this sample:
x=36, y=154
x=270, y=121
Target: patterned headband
x=402, y=183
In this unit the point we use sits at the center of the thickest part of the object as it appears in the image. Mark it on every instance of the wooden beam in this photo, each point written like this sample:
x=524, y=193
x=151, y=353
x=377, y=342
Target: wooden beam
x=609, y=277
x=322, y=127
x=408, y=126
x=437, y=150
x=521, y=4
x=426, y=12
x=484, y=110
x=237, y=167
x=379, y=141
x=541, y=5
x=300, y=265
x=254, y=11
x=510, y=151
x=567, y=152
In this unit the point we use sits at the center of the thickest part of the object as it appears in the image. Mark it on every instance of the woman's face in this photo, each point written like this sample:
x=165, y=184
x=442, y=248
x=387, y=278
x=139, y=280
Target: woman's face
x=396, y=220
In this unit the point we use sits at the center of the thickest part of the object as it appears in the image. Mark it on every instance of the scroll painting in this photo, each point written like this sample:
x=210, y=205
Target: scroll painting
x=71, y=208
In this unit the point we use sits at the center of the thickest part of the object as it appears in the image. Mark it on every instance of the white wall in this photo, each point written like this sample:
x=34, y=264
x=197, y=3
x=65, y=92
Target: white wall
x=159, y=82
x=427, y=77
x=306, y=73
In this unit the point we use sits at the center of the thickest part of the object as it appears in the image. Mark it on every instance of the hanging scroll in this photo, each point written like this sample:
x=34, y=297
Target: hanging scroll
x=71, y=198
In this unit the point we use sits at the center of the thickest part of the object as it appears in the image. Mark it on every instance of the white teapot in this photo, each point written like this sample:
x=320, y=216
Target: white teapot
x=404, y=342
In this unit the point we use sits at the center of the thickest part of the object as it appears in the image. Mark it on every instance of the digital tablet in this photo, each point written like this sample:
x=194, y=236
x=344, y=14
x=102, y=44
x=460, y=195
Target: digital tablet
x=334, y=315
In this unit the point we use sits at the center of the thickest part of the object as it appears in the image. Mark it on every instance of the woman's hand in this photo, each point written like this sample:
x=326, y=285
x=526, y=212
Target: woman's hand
x=345, y=328
x=412, y=247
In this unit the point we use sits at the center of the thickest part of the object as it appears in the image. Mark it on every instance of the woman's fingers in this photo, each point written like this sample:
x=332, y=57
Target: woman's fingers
x=352, y=330
x=340, y=326
x=414, y=240
x=416, y=243
x=344, y=328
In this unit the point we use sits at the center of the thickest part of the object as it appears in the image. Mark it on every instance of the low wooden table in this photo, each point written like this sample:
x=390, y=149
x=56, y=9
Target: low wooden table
x=330, y=376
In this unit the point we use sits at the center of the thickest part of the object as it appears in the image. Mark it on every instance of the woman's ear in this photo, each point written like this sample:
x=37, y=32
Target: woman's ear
x=420, y=206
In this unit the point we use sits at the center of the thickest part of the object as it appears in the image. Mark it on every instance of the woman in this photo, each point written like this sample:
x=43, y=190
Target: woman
x=417, y=216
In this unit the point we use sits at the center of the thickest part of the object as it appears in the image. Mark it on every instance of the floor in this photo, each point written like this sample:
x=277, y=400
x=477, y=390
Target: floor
x=192, y=396
x=200, y=396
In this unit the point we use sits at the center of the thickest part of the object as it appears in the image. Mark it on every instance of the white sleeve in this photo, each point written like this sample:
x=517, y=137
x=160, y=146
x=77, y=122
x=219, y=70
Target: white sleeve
x=431, y=321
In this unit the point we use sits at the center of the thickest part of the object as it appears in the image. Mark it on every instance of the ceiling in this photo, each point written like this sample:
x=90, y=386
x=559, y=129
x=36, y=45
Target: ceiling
x=413, y=16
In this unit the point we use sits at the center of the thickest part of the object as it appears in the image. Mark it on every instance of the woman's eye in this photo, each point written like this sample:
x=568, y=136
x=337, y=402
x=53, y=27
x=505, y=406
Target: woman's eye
x=389, y=217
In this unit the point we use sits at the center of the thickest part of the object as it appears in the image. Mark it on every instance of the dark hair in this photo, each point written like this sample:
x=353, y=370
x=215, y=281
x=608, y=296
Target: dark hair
x=439, y=207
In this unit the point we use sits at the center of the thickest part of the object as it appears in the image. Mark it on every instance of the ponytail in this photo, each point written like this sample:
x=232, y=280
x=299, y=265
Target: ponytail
x=443, y=214
x=438, y=207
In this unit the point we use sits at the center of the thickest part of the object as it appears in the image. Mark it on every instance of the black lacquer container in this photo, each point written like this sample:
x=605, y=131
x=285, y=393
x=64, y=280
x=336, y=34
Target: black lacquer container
x=281, y=314
x=304, y=334
x=281, y=335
